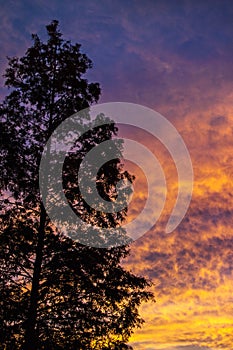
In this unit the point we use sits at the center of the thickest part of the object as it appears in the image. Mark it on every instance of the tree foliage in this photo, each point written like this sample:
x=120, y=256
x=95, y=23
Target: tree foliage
x=54, y=292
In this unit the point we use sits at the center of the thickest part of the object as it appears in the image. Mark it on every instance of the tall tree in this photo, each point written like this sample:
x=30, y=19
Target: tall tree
x=55, y=292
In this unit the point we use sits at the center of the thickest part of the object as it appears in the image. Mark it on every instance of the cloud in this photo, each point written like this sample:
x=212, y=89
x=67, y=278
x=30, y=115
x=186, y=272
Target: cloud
x=218, y=120
x=192, y=268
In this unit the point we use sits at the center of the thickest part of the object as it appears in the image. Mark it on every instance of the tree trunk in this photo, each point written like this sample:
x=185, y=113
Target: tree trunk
x=31, y=341
x=31, y=338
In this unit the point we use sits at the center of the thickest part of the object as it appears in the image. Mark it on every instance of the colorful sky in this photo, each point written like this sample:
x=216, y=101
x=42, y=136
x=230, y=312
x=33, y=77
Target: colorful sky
x=176, y=58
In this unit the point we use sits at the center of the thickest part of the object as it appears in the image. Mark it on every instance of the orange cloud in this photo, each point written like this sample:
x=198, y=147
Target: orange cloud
x=192, y=268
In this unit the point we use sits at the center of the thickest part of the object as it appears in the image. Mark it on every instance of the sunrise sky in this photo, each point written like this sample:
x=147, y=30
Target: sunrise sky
x=174, y=56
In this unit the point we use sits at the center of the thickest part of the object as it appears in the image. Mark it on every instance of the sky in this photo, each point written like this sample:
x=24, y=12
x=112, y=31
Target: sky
x=174, y=57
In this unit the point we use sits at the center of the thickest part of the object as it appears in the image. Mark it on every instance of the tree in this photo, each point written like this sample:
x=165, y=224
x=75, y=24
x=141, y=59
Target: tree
x=55, y=292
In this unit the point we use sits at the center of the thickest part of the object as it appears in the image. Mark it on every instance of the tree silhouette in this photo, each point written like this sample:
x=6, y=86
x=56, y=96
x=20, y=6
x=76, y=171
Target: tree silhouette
x=56, y=293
